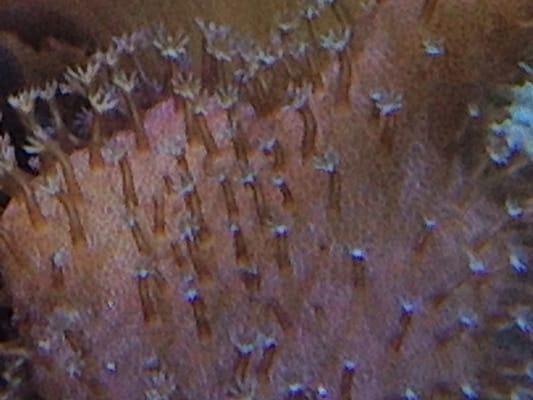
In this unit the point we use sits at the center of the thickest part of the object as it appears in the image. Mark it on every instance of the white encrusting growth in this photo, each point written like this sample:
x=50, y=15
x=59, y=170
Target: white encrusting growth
x=514, y=134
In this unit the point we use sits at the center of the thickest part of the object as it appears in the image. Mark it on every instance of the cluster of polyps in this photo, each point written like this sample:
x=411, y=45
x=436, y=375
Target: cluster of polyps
x=103, y=96
x=110, y=83
x=258, y=363
x=237, y=68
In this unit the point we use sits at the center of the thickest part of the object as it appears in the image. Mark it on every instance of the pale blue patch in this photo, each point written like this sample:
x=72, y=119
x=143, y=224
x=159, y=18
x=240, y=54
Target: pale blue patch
x=524, y=94
x=517, y=137
x=517, y=130
x=522, y=114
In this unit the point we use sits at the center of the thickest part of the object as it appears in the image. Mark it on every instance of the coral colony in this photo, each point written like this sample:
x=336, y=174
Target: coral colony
x=297, y=219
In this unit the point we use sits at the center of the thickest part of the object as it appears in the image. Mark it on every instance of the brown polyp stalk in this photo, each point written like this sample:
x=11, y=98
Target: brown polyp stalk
x=95, y=154
x=37, y=219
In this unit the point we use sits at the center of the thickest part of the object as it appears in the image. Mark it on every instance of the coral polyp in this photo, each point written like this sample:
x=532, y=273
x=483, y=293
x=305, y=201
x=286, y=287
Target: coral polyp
x=342, y=212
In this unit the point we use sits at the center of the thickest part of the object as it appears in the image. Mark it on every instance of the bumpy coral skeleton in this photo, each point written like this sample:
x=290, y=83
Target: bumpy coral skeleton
x=263, y=231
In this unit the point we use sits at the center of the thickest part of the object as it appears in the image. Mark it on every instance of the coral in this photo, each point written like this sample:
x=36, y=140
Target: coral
x=320, y=215
x=516, y=131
